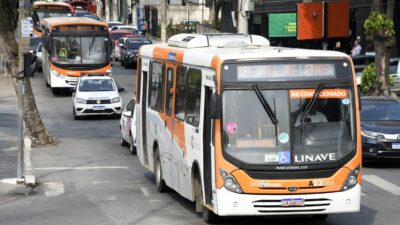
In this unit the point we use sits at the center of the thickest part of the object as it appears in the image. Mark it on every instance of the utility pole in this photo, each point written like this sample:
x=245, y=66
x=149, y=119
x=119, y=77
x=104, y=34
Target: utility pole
x=134, y=15
x=107, y=10
x=115, y=10
x=164, y=19
x=23, y=47
x=242, y=24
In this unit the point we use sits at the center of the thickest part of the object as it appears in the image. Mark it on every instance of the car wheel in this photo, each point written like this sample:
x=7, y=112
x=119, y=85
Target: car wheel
x=122, y=141
x=74, y=113
x=160, y=183
x=132, y=147
x=122, y=62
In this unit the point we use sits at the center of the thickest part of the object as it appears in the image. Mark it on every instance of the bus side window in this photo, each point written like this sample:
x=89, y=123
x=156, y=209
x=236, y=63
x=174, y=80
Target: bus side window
x=193, y=97
x=169, y=91
x=156, y=90
x=180, y=92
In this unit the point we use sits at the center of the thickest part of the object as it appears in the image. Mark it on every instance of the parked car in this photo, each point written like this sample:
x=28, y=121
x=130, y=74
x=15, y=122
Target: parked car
x=38, y=52
x=129, y=51
x=81, y=13
x=128, y=126
x=113, y=23
x=96, y=94
x=132, y=29
x=92, y=16
x=380, y=128
x=115, y=36
x=33, y=43
x=121, y=42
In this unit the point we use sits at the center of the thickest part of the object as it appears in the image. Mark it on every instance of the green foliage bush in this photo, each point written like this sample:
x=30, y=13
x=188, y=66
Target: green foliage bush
x=379, y=28
x=368, y=77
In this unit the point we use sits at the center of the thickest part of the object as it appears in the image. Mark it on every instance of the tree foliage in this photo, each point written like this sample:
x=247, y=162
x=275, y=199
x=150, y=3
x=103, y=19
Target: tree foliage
x=379, y=28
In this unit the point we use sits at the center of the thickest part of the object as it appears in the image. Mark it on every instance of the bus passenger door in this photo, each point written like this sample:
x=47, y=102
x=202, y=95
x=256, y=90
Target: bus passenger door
x=143, y=103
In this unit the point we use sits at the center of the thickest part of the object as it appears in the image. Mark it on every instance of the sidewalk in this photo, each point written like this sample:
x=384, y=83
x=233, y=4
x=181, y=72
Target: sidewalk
x=8, y=140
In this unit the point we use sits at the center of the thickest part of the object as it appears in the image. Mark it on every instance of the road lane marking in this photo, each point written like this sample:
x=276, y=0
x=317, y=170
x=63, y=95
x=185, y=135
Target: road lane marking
x=363, y=194
x=52, y=189
x=383, y=184
x=82, y=168
x=101, y=182
x=144, y=191
x=10, y=149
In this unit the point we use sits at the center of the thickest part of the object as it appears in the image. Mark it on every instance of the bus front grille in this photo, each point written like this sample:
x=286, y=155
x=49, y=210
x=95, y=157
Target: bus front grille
x=275, y=206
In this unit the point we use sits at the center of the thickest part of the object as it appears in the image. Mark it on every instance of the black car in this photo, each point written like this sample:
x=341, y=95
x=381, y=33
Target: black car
x=129, y=50
x=380, y=128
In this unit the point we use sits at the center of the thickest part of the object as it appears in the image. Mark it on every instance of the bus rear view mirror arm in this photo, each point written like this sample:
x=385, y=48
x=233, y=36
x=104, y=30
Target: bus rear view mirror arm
x=215, y=106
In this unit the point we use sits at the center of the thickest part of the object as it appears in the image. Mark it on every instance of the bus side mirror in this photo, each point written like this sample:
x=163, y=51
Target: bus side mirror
x=215, y=106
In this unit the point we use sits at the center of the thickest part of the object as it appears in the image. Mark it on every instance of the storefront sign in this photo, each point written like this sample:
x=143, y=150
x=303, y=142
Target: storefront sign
x=282, y=25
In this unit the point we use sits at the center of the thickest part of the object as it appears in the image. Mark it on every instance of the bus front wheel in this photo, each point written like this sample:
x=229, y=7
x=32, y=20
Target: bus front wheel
x=208, y=215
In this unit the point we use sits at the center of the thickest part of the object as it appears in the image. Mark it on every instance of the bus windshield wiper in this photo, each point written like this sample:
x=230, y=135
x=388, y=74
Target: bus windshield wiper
x=265, y=104
x=312, y=102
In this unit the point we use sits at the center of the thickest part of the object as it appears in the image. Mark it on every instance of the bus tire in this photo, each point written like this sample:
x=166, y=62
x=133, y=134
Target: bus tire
x=160, y=183
x=208, y=215
x=132, y=147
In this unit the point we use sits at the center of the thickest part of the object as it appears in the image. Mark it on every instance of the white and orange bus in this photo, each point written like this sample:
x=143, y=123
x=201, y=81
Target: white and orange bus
x=43, y=10
x=71, y=46
x=243, y=128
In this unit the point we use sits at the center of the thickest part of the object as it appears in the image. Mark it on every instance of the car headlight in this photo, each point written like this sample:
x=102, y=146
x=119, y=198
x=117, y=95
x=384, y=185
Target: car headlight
x=80, y=100
x=372, y=135
x=230, y=182
x=57, y=74
x=116, y=99
x=352, y=179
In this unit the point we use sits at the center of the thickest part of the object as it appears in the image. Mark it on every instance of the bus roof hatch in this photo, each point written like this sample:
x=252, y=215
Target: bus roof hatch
x=215, y=40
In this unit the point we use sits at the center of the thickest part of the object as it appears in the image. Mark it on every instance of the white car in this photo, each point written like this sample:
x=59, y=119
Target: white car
x=96, y=94
x=132, y=29
x=128, y=126
x=38, y=52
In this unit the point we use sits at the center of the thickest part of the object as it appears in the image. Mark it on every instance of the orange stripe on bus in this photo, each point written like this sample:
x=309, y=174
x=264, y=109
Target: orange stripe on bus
x=163, y=53
x=74, y=73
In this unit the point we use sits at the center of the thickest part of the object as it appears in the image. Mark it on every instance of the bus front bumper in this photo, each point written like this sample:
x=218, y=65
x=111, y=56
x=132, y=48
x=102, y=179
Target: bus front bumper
x=233, y=204
x=61, y=81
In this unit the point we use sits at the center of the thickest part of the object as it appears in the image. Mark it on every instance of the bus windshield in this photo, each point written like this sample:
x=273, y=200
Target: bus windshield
x=80, y=50
x=39, y=15
x=307, y=133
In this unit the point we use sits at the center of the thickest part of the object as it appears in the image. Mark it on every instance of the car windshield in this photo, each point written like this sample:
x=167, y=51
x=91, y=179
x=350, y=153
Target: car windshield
x=116, y=36
x=322, y=134
x=34, y=42
x=79, y=50
x=136, y=44
x=380, y=111
x=96, y=85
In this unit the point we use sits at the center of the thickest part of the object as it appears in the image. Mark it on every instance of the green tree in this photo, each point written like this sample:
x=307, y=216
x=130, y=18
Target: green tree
x=379, y=29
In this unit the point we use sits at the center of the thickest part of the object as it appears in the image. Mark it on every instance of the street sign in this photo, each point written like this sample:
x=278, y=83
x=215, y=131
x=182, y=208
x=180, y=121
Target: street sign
x=26, y=28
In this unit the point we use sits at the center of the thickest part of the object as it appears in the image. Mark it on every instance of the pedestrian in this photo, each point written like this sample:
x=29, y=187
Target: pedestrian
x=356, y=50
x=144, y=27
x=338, y=46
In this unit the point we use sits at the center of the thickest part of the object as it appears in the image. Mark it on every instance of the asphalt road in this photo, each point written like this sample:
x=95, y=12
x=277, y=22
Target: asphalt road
x=88, y=178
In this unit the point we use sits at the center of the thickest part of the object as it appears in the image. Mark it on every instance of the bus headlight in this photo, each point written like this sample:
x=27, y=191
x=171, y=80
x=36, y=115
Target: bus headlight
x=115, y=100
x=80, y=100
x=230, y=183
x=57, y=74
x=352, y=179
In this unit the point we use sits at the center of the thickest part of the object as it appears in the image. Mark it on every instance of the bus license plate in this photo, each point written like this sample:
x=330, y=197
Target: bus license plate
x=292, y=202
x=395, y=145
x=98, y=108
